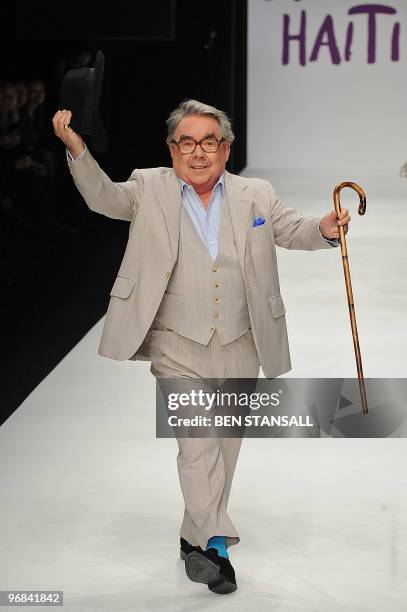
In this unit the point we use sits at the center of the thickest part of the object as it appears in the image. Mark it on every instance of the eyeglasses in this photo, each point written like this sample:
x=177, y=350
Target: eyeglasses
x=187, y=146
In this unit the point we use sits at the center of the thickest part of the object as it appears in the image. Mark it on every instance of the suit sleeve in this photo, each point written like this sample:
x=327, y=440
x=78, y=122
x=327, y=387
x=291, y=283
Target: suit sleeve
x=293, y=230
x=101, y=194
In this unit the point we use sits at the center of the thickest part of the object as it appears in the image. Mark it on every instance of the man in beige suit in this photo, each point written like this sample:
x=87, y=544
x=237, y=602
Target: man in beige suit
x=198, y=294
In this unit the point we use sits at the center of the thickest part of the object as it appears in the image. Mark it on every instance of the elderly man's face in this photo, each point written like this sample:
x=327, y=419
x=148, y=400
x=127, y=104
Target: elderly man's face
x=200, y=169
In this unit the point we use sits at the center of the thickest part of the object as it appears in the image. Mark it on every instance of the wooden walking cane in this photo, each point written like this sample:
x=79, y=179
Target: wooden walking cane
x=345, y=261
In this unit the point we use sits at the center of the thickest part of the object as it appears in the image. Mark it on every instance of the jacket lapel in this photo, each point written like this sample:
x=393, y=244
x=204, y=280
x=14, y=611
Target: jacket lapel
x=169, y=197
x=239, y=206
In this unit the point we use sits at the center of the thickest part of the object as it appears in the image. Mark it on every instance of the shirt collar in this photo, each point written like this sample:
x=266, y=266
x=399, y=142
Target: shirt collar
x=221, y=181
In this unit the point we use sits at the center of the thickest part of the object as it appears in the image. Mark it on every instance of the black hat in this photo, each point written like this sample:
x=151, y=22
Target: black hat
x=80, y=93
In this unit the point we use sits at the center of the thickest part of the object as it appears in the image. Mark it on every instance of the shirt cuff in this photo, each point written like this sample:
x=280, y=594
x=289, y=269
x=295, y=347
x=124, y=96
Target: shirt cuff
x=69, y=156
x=332, y=241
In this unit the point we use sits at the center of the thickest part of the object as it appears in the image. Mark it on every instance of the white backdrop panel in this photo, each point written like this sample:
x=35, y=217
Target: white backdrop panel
x=319, y=116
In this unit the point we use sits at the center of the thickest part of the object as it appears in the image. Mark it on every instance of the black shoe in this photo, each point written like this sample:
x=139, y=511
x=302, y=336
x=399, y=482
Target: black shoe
x=186, y=548
x=209, y=568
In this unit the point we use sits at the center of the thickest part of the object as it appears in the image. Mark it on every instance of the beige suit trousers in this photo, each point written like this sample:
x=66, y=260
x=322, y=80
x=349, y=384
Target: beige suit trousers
x=205, y=465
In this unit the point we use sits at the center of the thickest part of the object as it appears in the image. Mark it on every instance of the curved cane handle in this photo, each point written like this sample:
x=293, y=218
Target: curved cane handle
x=355, y=187
x=337, y=204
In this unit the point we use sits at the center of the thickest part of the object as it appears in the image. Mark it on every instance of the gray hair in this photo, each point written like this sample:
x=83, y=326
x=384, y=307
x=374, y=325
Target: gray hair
x=193, y=107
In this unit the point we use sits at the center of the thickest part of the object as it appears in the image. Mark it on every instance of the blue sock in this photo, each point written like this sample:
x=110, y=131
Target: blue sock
x=218, y=542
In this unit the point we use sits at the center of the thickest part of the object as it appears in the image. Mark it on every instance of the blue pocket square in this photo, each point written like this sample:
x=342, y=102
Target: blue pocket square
x=258, y=221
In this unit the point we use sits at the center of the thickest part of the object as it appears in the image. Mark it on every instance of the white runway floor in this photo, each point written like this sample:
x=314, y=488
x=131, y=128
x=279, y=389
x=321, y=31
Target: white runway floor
x=90, y=499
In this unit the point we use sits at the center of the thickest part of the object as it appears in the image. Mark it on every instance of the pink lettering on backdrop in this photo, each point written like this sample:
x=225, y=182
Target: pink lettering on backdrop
x=327, y=39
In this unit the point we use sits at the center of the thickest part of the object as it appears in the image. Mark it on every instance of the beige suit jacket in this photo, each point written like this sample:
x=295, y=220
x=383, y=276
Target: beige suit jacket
x=151, y=201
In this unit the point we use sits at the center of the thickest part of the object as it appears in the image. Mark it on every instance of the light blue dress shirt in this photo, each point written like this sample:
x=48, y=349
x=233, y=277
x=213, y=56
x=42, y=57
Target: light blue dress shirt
x=205, y=221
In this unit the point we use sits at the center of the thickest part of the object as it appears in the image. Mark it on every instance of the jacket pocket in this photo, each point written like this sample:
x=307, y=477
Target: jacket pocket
x=277, y=305
x=122, y=286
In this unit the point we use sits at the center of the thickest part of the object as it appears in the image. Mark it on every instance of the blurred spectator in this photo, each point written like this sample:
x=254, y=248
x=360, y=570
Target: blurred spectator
x=9, y=116
x=22, y=93
x=28, y=169
x=35, y=164
x=10, y=138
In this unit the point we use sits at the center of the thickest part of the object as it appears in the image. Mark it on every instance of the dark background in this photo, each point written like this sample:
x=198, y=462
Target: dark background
x=55, y=284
